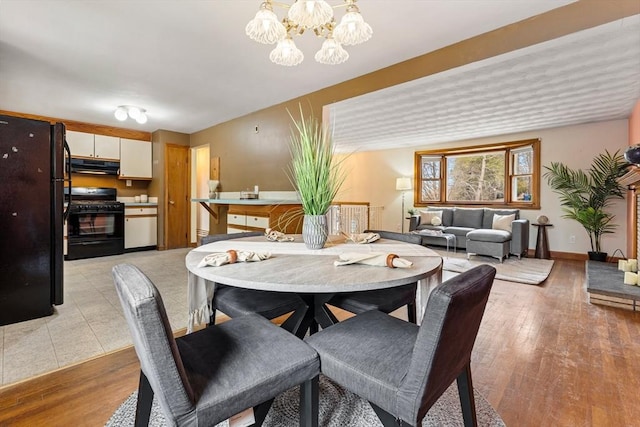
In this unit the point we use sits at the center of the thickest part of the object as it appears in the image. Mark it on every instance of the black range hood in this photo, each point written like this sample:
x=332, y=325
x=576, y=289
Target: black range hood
x=95, y=166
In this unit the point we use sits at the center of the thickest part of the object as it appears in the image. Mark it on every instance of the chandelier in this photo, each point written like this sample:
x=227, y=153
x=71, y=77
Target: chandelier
x=313, y=15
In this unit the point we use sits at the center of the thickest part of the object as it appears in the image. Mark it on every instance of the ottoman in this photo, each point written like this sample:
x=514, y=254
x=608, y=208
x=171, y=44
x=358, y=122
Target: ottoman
x=493, y=243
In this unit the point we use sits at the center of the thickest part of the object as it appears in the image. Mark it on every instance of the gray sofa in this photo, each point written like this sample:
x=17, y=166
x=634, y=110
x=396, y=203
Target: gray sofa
x=484, y=239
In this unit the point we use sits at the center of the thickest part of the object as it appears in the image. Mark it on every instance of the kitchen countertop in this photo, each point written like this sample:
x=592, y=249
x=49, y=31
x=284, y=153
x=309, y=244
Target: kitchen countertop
x=139, y=205
x=252, y=202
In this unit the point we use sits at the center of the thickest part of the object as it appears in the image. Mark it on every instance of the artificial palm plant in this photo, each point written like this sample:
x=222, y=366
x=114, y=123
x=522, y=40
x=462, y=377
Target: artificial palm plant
x=315, y=172
x=585, y=196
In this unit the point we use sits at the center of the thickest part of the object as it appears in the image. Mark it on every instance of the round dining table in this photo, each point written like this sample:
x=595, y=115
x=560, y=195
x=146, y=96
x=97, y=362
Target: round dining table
x=312, y=274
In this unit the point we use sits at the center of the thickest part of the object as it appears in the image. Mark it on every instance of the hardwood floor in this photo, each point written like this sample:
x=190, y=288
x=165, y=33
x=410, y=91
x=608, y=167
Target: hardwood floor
x=544, y=357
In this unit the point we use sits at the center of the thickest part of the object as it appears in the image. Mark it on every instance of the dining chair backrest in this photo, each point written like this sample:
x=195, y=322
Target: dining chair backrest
x=218, y=237
x=445, y=339
x=153, y=340
x=402, y=237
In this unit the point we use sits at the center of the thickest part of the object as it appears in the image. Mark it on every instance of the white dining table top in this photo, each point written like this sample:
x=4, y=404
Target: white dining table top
x=294, y=268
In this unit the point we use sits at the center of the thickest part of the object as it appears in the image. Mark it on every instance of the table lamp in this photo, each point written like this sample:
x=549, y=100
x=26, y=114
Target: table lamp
x=403, y=184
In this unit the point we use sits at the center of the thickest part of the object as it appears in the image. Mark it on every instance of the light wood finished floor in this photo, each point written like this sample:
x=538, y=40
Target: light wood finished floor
x=544, y=357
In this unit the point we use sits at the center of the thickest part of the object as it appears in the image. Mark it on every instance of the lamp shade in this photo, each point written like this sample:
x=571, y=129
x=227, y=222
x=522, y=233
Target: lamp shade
x=403, y=184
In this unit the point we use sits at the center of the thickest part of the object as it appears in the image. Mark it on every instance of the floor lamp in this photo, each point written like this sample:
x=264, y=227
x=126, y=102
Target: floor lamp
x=403, y=184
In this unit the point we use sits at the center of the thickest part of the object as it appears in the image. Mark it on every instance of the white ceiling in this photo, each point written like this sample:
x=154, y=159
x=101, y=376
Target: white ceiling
x=189, y=63
x=589, y=76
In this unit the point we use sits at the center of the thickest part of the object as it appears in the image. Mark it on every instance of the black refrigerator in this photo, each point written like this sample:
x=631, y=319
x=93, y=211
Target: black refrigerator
x=32, y=179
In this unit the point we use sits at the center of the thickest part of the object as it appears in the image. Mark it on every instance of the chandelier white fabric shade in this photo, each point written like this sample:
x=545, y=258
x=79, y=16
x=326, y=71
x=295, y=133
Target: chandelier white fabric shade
x=314, y=15
x=310, y=14
x=265, y=27
x=286, y=53
x=136, y=113
x=352, y=29
x=331, y=53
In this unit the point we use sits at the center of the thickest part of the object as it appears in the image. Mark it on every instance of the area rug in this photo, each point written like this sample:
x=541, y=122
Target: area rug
x=338, y=407
x=531, y=271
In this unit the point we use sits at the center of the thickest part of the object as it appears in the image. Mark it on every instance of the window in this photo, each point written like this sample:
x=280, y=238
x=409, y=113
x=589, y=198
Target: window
x=504, y=174
x=431, y=178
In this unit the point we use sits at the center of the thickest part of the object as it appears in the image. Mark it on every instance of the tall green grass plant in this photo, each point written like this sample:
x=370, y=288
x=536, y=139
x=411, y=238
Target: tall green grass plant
x=315, y=172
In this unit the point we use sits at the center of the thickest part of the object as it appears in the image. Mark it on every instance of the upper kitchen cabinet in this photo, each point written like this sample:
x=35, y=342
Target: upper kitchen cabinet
x=135, y=159
x=106, y=147
x=93, y=146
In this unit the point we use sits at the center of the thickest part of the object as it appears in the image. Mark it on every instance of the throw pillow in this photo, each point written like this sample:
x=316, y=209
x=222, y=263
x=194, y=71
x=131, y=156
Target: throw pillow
x=426, y=217
x=503, y=222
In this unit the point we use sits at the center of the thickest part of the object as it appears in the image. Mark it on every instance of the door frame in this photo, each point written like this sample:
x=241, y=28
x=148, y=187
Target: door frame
x=196, y=171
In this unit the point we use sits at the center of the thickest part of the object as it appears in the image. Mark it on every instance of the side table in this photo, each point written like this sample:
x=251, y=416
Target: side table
x=542, y=243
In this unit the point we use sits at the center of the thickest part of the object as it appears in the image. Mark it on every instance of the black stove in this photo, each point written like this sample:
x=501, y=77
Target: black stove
x=95, y=226
x=93, y=199
x=90, y=206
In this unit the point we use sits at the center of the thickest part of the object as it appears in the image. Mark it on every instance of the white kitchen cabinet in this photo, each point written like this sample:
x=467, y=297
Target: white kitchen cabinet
x=242, y=218
x=135, y=159
x=89, y=145
x=80, y=143
x=140, y=227
x=106, y=147
x=259, y=222
x=238, y=223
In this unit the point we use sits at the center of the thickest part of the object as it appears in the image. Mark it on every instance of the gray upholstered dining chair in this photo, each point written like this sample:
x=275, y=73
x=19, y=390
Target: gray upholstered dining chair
x=234, y=301
x=385, y=300
x=402, y=369
x=207, y=376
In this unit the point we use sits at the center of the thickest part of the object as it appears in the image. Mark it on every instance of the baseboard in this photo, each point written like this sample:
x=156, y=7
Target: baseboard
x=569, y=256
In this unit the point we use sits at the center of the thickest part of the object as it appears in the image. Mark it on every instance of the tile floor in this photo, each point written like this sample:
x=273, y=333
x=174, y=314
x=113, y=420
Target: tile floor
x=90, y=322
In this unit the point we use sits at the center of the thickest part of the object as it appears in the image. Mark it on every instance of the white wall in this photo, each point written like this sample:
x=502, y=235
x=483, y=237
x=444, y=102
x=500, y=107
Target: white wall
x=372, y=177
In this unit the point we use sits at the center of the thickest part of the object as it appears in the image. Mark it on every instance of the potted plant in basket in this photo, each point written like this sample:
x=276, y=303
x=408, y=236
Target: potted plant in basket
x=315, y=173
x=585, y=196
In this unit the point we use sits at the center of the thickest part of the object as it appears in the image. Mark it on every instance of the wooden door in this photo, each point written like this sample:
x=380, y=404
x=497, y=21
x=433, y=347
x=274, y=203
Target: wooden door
x=176, y=224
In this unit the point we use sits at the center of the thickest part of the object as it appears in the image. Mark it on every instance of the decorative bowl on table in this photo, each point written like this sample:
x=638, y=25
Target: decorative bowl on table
x=542, y=219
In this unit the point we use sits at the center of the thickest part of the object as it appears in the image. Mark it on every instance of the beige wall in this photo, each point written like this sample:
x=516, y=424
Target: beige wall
x=634, y=125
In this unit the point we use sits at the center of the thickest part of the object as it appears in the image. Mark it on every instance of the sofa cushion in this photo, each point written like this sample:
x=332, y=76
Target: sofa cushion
x=493, y=236
x=460, y=232
x=487, y=220
x=447, y=215
x=427, y=217
x=503, y=222
x=467, y=217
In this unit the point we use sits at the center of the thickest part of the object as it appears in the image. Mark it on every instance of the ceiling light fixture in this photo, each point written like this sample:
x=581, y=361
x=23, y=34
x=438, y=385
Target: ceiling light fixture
x=315, y=15
x=136, y=113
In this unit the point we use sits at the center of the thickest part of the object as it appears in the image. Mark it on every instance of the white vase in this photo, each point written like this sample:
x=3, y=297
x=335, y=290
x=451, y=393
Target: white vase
x=315, y=231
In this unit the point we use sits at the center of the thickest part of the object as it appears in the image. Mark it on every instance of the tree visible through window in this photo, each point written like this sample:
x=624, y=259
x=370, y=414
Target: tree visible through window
x=475, y=177
x=502, y=174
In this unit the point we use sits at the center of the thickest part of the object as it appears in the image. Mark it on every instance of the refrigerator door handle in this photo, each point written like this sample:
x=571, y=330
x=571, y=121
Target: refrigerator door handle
x=68, y=172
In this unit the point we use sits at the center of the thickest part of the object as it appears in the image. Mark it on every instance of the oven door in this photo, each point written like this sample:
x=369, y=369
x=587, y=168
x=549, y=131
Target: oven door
x=94, y=233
